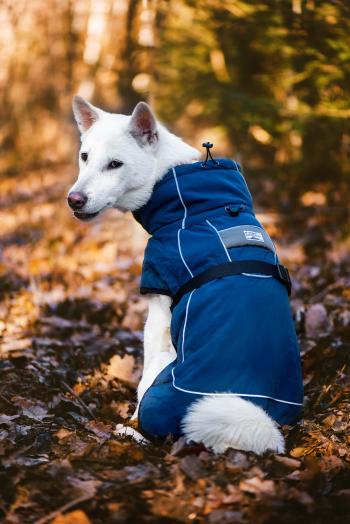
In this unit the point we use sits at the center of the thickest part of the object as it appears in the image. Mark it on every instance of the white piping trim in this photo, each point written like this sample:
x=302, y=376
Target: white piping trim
x=182, y=224
x=181, y=255
x=183, y=337
x=181, y=200
x=275, y=251
x=233, y=394
x=236, y=166
x=218, y=234
x=185, y=324
x=256, y=275
x=172, y=372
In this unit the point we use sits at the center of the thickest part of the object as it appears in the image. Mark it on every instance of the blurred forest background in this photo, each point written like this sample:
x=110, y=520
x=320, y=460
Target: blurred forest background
x=268, y=81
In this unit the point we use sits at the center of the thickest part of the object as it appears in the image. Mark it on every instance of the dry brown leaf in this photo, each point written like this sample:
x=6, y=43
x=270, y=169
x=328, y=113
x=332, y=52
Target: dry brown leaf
x=331, y=462
x=317, y=322
x=122, y=368
x=329, y=421
x=63, y=433
x=79, y=448
x=234, y=495
x=257, y=485
x=287, y=461
x=298, y=452
x=34, y=410
x=101, y=430
x=122, y=408
x=73, y=517
x=84, y=488
x=79, y=388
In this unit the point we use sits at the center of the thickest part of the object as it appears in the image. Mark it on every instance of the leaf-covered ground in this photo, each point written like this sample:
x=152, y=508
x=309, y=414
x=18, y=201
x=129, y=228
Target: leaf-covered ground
x=71, y=352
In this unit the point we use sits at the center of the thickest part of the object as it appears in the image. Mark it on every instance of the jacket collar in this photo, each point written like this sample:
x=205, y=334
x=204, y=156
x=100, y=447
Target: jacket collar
x=193, y=189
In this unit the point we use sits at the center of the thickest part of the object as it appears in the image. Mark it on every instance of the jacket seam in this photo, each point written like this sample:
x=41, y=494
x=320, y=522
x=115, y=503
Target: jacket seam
x=236, y=395
x=183, y=224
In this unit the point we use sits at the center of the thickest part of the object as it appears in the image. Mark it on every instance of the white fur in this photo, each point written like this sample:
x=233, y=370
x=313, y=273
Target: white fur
x=158, y=350
x=231, y=422
x=148, y=150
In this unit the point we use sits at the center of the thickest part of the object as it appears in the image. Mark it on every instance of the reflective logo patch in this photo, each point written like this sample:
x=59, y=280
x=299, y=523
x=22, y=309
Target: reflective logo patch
x=254, y=235
x=246, y=235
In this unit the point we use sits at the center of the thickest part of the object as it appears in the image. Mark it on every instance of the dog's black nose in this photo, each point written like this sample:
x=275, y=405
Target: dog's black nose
x=76, y=200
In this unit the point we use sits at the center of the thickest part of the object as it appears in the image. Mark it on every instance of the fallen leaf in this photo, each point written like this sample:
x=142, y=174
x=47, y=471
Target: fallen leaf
x=25, y=460
x=298, y=452
x=192, y=467
x=7, y=419
x=140, y=473
x=63, y=433
x=74, y=517
x=317, y=322
x=31, y=409
x=122, y=368
x=329, y=421
x=303, y=497
x=222, y=516
x=287, y=461
x=86, y=488
x=77, y=447
x=237, y=460
x=257, y=485
x=330, y=463
x=103, y=431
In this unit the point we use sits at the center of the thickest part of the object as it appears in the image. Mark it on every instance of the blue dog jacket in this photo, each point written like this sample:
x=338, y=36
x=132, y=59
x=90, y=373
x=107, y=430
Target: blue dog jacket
x=233, y=335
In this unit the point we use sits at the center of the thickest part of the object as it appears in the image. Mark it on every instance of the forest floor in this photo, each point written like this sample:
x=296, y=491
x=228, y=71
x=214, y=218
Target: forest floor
x=71, y=353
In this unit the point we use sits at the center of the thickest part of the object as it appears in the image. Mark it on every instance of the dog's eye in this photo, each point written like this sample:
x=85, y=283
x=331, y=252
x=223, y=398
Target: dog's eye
x=114, y=164
x=84, y=157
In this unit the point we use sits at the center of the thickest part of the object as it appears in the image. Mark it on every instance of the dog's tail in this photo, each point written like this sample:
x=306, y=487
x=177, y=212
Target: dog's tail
x=222, y=422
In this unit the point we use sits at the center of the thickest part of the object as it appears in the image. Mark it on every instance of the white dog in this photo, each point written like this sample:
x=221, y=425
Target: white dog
x=121, y=160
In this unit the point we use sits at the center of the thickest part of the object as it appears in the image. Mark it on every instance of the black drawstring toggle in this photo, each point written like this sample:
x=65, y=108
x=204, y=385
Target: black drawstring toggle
x=208, y=147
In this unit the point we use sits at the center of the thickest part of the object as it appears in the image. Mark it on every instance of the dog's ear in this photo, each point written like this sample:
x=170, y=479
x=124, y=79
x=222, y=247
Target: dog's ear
x=85, y=114
x=143, y=125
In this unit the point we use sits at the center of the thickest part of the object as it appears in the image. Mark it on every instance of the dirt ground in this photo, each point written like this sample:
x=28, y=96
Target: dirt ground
x=71, y=352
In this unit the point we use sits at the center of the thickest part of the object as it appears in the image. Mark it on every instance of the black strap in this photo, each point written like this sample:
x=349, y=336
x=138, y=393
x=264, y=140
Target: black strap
x=234, y=268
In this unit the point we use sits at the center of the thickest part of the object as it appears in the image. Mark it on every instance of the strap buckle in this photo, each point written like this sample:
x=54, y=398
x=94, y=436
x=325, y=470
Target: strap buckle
x=284, y=276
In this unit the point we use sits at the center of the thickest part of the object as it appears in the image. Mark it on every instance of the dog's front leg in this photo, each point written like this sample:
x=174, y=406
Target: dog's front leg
x=158, y=350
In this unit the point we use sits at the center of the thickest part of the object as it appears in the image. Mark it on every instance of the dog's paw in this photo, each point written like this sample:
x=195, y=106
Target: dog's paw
x=127, y=431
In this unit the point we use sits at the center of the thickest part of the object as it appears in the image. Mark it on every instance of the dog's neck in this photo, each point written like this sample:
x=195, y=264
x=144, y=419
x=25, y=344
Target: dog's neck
x=171, y=152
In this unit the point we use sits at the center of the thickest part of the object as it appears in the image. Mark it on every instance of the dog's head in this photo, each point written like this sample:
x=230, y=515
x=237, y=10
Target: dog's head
x=117, y=159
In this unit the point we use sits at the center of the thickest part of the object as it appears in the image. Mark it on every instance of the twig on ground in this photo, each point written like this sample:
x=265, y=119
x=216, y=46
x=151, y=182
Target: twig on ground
x=81, y=402
x=62, y=509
